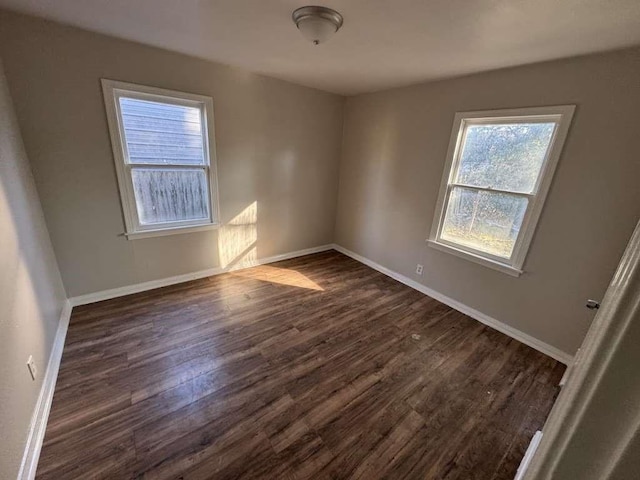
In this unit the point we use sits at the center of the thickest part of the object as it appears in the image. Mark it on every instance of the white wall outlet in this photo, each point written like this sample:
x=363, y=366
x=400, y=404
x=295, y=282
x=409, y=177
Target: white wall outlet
x=31, y=365
x=419, y=269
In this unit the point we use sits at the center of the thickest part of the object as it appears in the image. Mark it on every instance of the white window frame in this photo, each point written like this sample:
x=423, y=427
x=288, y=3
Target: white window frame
x=112, y=91
x=562, y=116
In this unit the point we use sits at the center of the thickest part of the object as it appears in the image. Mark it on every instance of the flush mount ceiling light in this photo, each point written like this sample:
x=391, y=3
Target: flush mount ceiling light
x=317, y=24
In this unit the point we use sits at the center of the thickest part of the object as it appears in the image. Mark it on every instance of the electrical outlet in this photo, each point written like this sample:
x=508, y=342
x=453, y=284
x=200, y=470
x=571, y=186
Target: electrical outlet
x=419, y=269
x=31, y=365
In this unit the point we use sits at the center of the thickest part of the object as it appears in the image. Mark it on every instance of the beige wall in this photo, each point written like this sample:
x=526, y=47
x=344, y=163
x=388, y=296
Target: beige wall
x=277, y=145
x=283, y=175
x=393, y=156
x=279, y=159
x=31, y=291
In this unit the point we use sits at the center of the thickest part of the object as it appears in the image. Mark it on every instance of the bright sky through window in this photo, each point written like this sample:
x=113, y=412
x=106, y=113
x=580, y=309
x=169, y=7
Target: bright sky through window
x=497, y=175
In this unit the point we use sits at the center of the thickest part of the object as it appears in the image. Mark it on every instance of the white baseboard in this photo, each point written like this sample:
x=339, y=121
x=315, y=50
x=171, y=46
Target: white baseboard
x=43, y=405
x=567, y=373
x=527, y=339
x=528, y=455
x=165, y=282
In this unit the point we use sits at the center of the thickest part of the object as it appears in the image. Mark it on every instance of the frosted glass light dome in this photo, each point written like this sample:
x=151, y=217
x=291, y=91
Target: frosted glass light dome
x=317, y=24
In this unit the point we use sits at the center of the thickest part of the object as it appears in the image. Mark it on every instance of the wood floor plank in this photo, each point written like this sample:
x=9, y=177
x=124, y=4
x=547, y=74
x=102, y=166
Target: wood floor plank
x=312, y=368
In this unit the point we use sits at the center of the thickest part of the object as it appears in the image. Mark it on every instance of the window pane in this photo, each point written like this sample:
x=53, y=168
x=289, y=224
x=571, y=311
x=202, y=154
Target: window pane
x=485, y=221
x=166, y=195
x=506, y=156
x=162, y=133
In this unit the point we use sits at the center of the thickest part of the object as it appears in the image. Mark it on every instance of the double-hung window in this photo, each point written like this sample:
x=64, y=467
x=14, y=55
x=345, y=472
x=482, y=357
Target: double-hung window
x=498, y=171
x=165, y=162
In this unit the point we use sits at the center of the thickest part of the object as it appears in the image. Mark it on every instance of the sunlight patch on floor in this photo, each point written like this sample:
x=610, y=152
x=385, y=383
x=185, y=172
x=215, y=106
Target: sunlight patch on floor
x=281, y=276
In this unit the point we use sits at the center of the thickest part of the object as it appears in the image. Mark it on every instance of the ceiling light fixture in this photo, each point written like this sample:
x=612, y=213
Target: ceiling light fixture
x=317, y=24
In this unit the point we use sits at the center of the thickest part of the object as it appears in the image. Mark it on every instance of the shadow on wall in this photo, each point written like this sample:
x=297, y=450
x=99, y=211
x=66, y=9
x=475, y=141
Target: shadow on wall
x=30, y=285
x=22, y=287
x=373, y=189
x=31, y=291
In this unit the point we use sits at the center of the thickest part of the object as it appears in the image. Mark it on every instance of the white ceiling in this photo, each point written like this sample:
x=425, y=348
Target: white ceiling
x=383, y=43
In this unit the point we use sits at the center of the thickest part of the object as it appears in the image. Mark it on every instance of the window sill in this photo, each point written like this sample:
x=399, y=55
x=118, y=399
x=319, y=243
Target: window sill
x=501, y=267
x=161, y=232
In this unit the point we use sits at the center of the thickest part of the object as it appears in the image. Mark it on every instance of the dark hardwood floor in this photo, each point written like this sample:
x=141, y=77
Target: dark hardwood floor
x=317, y=367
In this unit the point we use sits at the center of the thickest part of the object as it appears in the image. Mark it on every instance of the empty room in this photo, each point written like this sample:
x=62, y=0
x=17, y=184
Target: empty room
x=364, y=239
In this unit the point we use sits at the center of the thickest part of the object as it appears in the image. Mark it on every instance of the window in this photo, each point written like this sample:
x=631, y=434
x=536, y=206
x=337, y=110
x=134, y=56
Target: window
x=163, y=149
x=498, y=171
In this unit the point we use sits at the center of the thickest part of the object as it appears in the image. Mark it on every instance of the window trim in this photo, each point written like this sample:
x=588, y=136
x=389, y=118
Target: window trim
x=112, y=90
x=562, y=114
